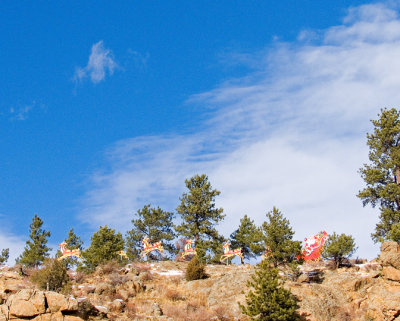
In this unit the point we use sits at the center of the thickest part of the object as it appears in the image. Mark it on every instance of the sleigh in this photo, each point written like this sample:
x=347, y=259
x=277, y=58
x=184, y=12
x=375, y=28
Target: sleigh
x=313, y=247
x=189, y=249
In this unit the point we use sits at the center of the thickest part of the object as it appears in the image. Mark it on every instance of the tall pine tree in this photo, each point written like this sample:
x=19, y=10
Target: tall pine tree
x=248, y=237
x=35, y=249
x=154, y=223
x=200, y=216
x=278, y=238
x=382, y=175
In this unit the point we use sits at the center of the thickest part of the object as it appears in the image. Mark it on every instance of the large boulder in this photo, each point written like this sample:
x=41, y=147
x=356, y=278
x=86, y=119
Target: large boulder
x=58, y=302
x=390, y=254
x=390, y=273
x=26, y=303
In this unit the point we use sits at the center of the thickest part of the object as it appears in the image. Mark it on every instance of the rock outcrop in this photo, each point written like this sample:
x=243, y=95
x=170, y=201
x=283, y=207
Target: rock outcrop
x=390, y=254
x=30, y=304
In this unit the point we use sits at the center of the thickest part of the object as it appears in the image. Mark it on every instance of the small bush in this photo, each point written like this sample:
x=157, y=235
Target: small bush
x=195, y=270
x=53, y=276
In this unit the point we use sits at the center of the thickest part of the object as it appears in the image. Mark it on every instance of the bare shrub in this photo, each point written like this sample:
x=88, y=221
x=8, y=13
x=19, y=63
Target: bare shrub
x=358, y=261
x=79, y=277
x=222, y=313
x=174, y=295
x=117, y=279
x=131, y=310
x=108, y=268
x=176, y=280
x=142, y=267
x=146, y=276
x=201, y=314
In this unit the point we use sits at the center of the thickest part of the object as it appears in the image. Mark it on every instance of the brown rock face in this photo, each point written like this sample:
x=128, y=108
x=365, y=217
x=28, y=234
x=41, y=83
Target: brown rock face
x=390, y=254
x=58, y=302
x=390, y=273
x=26, y=303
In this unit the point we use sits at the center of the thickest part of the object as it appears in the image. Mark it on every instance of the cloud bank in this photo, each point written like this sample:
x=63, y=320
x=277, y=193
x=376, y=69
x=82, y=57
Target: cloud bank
x=101, y=62
x=290, y=134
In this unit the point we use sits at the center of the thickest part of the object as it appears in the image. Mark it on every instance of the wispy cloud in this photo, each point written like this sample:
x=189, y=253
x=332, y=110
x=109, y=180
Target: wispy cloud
x=290, y=134
x=101, y=62
x=22, y=112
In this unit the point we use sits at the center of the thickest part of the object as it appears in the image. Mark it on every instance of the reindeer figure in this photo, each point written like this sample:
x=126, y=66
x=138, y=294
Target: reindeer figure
x=148, y=247
x=267, y=254
x=228, y=253
x=313, y=247
x=188, y=249
x=122, y=254
x=67, y=253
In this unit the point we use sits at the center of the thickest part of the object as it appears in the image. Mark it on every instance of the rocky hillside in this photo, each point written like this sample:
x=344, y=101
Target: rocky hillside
x=369, y=291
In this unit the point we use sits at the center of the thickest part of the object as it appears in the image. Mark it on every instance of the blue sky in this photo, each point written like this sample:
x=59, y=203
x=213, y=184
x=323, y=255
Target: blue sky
x=107, y=107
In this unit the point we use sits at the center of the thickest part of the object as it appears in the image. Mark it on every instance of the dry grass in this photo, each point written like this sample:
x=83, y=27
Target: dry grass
x=140, y=267
x=173, y=294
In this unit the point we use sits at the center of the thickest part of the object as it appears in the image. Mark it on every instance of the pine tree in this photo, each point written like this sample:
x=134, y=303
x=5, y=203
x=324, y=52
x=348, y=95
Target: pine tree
x=154, y=223
x=104, y=247
x=200, y=216
x=267, y=300
x=73, y=242
x=382, y=175
x=278, y=237
x=248, y=237
x=35, y=250
x=339, y=248
x=5, y=254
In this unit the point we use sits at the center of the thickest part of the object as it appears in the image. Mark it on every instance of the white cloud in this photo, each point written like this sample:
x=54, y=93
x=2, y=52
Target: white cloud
x=101, y=62
x=20, y=113
x=290, y=134
x=14, y=243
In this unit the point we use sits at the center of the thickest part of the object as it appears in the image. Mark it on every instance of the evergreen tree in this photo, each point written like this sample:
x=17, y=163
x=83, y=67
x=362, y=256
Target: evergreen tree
x=382, y=175
x=73, y=242
x=248, y=237
x=154, y=223
x=278, y=237
x=267, y=300
x=35, y=250
x=5, y=254
x=105, y=245
x=200, y=216
x=339, y=247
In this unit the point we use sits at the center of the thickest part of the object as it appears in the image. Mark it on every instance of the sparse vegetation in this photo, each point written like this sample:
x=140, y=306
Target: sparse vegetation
x=53, y=276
